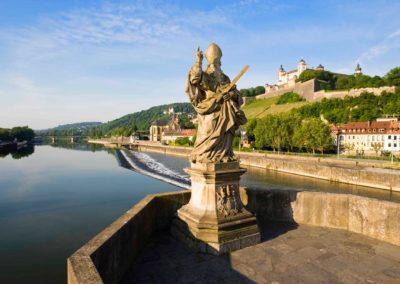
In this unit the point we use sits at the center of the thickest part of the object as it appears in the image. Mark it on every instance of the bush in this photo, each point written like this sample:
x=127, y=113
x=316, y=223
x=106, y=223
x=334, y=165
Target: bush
x=289, y=97
x=183, y=141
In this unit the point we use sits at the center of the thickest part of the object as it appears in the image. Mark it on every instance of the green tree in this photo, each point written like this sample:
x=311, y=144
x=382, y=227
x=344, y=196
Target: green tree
x=307, y=75
x=251, y=92
x=5, y=134
x=393, y=77
x=259, y=90
x=250, y=126
x=183, y=141
x=271, y=131
x=23, y=133
x=289, y=97
x=313, y=135
x=376, y=147
x=342, y=83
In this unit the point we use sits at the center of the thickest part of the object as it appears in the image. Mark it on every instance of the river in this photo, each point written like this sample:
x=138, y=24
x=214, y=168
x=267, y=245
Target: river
x=53, y=199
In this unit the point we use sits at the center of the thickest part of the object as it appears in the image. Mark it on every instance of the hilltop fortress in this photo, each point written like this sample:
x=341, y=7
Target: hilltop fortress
x=311, y=90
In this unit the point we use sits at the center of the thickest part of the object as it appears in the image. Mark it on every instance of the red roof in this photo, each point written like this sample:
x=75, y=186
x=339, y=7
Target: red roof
x=183, y=132
x=392, y=126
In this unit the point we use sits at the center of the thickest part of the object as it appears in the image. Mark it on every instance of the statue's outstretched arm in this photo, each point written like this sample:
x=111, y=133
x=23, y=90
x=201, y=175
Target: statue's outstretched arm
x=196, y=71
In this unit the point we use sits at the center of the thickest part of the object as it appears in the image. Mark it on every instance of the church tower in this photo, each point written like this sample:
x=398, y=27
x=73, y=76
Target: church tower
x=358, y=70
x=281, y=71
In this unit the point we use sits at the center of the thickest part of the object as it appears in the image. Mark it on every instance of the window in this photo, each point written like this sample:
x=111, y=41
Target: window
x=390, y=137
x=394, y=137
x=389, y=145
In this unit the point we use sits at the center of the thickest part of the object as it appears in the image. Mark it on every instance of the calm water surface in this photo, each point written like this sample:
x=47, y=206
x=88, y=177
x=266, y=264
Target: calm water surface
x=54, y=200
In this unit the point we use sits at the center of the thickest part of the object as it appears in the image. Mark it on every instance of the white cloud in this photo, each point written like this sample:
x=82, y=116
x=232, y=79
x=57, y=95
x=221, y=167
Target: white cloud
x=390, y=42
x=104, y=61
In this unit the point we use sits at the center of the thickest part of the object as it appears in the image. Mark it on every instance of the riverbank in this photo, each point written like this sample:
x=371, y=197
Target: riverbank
x=369, y=173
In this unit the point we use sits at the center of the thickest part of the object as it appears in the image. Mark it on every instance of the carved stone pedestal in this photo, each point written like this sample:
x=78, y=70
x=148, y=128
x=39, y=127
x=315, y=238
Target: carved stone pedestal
x=215, y=220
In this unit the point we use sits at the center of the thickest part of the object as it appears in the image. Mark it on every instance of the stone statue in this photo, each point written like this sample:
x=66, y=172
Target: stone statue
x=215, y=219
x=217, y=106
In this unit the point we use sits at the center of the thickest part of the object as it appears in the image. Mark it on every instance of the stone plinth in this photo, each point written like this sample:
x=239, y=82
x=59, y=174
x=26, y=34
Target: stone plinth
x=215, y=219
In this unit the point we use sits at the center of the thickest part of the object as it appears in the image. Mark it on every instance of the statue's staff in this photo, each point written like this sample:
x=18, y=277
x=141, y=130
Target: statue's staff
x=235, y=80
x=226, y=89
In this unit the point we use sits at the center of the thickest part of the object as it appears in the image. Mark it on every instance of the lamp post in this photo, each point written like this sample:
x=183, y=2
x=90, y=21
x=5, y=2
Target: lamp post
x=338, y=145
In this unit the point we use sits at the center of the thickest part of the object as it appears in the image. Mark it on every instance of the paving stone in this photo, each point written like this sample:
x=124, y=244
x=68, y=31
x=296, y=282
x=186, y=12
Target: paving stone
x=293, y=254
x=388, y=250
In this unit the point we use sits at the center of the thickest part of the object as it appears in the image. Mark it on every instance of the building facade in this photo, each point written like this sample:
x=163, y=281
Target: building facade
x=167, y=131
x=382, y=135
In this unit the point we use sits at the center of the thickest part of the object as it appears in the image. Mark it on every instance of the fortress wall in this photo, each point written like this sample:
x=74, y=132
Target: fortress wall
x=275, y=93
x=309, y=90
x=305, y=90
x=352, y=93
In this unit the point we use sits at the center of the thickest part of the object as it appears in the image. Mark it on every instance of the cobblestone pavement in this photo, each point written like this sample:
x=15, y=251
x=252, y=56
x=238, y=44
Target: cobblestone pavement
x=288, y=254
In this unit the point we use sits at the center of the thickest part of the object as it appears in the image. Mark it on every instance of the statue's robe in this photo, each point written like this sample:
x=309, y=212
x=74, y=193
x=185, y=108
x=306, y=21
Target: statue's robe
x=217, y=119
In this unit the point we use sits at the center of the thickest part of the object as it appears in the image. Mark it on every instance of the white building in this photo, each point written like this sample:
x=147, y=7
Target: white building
x=370, y=137
x=290, y=77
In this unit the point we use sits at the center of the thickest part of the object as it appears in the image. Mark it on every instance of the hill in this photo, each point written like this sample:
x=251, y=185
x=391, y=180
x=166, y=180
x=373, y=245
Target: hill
x=141, y=120
x=261, y=108
x=75, y=126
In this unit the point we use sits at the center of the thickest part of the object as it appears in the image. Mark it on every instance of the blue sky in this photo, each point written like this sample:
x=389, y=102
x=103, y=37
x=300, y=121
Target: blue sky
x=72, y=61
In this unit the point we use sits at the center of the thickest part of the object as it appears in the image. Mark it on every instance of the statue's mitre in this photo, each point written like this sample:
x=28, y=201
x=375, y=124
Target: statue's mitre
x=213, y=53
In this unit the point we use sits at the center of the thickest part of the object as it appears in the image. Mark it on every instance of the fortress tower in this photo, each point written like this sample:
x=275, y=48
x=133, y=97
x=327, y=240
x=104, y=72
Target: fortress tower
x=301, y=66
x=358, y=70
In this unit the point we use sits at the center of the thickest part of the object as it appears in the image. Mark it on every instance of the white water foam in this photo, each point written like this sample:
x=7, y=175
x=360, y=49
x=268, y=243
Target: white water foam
x=161, y=172
x=159, y=167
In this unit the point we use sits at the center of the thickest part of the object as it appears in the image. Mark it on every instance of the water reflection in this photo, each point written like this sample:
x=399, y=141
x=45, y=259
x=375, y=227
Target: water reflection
x=17, y=152
x=56, y=200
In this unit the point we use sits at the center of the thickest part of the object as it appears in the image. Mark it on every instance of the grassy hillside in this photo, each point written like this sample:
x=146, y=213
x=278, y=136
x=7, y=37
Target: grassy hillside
x=260, y=108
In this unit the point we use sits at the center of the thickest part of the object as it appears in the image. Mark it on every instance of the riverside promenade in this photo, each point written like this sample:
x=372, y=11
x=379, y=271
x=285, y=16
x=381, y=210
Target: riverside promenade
x=371, y=173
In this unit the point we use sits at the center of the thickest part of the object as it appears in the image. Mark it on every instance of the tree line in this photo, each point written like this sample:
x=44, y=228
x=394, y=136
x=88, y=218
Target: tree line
x=366, y=107
x=252, y=92
x=20, y=133
x=331, y=81
x=302, y=129
x=290, y=132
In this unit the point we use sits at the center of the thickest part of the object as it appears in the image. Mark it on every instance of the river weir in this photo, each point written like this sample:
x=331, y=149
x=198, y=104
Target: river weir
x=145, y=164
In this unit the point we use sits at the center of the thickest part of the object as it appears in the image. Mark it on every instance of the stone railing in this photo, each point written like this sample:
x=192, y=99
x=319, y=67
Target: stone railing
x=108, y=256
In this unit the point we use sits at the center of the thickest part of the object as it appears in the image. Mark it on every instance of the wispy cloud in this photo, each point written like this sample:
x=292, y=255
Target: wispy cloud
x=106, y=59
x=390, y=42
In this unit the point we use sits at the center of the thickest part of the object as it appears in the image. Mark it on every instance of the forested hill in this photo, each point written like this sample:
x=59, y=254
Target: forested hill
x=75, y=126
x=142, y=119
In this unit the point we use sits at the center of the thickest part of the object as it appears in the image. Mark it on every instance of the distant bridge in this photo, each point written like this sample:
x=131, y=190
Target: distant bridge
x=72, y=138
